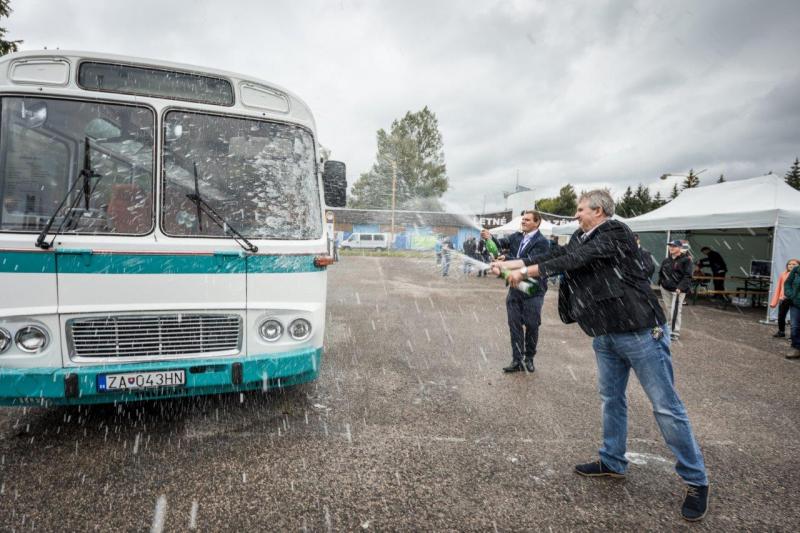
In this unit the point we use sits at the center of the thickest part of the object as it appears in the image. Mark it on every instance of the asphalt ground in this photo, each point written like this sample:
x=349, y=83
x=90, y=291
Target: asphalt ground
x=413, y=426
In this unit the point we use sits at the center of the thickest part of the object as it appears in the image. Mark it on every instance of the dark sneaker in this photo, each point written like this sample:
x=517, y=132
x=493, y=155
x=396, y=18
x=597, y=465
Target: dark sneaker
x=514, y=367
x=695, y=504
x=597, y=469
x=780, y=335
x=529, y=366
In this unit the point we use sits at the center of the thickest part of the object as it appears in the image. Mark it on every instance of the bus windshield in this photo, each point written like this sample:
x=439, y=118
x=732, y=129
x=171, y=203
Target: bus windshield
x=259, y=176
x=42, y=145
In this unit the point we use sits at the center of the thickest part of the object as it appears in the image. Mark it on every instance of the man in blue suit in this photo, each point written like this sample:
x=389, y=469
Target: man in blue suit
x=524, y=312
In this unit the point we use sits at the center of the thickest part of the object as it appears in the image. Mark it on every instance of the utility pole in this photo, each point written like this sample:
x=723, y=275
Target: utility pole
x=394, y=188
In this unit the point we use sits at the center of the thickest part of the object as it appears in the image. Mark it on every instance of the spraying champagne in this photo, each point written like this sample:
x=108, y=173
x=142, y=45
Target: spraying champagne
x=528, y=287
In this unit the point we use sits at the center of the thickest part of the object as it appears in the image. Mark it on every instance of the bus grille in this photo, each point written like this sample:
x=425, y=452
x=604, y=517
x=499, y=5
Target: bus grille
x=153, y=335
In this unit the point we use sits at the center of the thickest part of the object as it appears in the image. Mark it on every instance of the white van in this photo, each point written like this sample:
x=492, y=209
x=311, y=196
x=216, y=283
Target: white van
x=366, y=241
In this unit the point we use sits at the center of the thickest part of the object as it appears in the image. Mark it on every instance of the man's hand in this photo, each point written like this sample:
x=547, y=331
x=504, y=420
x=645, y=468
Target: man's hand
x=515, y=277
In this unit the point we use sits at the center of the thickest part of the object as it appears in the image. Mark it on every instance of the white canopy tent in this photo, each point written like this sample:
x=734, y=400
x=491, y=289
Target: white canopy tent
x=760, y=202
x=546, y=228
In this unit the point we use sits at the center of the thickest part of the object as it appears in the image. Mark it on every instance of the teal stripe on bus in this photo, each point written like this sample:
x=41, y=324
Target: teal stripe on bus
x=76, y=262
x=99, y=263
x=28, y=262
x=261, y=264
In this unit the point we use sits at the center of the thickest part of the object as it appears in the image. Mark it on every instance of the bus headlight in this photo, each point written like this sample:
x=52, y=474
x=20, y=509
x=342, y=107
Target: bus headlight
x=5, y=340
x=271, y=330
x=300, y=329
x=31, y=339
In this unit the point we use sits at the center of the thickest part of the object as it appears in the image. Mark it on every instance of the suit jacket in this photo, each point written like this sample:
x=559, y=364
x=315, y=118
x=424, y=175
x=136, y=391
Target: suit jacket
x=604, y=289
x=536, y=247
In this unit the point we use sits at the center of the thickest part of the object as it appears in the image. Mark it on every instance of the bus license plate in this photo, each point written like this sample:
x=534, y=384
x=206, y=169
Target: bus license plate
x=141, y=380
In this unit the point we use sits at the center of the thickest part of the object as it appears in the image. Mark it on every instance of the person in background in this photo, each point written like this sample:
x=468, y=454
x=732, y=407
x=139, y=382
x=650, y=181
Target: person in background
x=482, y=255
x=791, y=290
x=675, y=280
x=447, y=247
x=469, y=252
x=645, y=259
x=716, y=263
x=780, y=301
x=437, y=249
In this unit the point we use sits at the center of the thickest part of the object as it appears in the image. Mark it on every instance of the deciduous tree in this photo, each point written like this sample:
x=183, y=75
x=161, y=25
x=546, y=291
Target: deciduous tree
x=6, y=47
x=565, y=204
x=412, y=154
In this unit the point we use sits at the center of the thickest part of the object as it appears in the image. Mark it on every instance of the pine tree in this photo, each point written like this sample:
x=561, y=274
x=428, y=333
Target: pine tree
x=793, y=176
x=625, y=205
x=691, y=181
x=644, y=202
x=675, y=192
x=721, y=178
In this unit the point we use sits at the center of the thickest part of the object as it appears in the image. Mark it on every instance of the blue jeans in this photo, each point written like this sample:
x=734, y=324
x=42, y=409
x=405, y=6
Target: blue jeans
x=794, y=321
x=650, y=359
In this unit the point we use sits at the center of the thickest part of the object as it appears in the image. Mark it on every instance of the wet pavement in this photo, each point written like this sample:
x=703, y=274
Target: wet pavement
x=412, y=426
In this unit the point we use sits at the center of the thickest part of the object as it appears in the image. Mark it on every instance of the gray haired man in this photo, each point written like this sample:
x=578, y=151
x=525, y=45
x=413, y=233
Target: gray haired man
x=607, y=293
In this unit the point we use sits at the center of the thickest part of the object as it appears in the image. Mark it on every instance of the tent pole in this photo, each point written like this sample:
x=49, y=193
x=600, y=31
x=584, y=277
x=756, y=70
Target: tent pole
x=669, y=239
x=773, y=270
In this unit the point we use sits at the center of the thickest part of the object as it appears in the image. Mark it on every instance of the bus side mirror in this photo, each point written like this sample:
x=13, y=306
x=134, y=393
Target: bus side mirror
x=334, y=180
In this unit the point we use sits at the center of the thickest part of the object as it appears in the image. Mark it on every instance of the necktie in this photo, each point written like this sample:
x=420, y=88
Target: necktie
x=522, y=245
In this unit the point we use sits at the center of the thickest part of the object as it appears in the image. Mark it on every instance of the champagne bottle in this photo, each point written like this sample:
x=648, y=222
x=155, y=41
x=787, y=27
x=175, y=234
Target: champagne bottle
x=528, y=287
x=491, y=247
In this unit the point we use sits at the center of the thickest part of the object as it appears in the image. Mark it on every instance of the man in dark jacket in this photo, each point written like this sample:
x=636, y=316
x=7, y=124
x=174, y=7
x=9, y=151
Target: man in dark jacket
x=716, y=263
x=524, y=311
x=675, y=280
x=469, y=252
x=482, y=255
x=607, y=294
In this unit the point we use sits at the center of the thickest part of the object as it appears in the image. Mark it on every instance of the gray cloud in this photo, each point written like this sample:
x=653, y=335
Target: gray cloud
x=593, y=93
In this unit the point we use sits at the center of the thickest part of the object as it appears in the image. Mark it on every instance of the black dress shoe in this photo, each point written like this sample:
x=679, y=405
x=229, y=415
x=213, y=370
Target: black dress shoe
x=695, y=504
x=597, y=469
x=515, y=367
x=780, y=334
x=529, y=366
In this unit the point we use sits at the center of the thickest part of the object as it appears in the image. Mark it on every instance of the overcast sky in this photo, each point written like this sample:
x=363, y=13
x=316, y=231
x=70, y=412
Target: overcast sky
x=593, y=93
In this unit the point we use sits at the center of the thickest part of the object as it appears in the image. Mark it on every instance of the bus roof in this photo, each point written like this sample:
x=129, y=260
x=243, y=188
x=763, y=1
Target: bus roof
x=57, y=70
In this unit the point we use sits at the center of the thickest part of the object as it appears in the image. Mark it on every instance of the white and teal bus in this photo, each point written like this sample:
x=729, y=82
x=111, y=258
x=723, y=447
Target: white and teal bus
x=161, y=231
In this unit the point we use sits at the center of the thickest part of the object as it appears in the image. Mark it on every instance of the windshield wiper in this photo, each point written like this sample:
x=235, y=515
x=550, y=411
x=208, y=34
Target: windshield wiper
x=84, y=178
x=216, y=218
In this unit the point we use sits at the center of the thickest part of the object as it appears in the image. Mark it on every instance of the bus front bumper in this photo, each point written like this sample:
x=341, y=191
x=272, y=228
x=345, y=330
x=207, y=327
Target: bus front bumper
x=80, y=385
